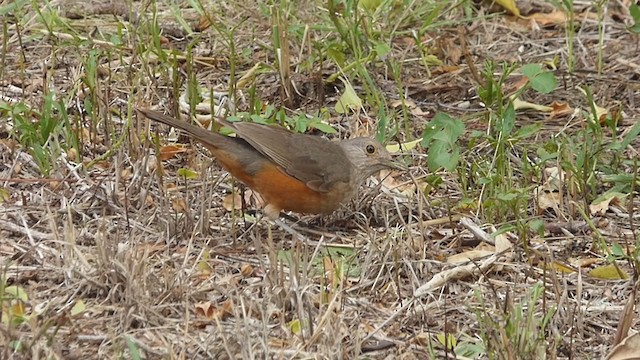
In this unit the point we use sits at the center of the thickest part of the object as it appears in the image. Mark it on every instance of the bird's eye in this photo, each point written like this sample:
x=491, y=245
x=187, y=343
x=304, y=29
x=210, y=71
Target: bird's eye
x=370, y=149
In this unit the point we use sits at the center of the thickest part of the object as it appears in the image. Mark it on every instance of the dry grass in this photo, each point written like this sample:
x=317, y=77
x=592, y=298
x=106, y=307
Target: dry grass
x=121, y=257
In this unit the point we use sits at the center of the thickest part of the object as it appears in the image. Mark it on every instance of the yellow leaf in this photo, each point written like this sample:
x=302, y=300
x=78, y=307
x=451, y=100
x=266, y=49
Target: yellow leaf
x=187, y=173
x=294, y=326
x=448, y=340
x=394, y=148
x=561, y=268
x=608, y=272
x=78, y=308
x=4, y=194
x=510, y=6
x=370, y=5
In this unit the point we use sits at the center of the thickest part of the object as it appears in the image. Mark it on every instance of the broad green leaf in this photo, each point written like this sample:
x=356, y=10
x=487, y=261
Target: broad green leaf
x=382, y=49
x=324, y=127
x=631, y=135
x=526, y=131
x=508, y=120
x=133, y=348
x=617, y=250
x=15, y=292
x=187, y=173
x=531, y=70
x=544, y=83
x=541, y=81
x=349, y=100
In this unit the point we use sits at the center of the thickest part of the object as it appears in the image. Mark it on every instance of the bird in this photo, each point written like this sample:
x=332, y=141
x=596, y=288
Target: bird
x=303, y=173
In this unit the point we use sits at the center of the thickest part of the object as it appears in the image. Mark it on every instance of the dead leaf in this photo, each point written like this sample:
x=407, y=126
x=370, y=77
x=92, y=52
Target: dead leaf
x=628, y=349
x=246, y=270
x=211, y=312
x=525, y=105
x=469, y=255
x=547, y=199
x=205, y=309
x=407, y=189
x=553, y=18
x=560, y=110
x=502, y=243
x=232, y=202
x=203, y=24
x=169, y=151
x=178, y=204
x=585, y=262
x=600, y=205
x=514, y=84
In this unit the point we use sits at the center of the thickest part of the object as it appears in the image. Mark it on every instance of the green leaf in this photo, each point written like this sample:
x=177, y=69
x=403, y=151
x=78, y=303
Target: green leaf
x=432, y=60
x=448, y=340
x=370, y=5
x=409, y=145
x=349, y=100
x=631, y=135
x=78, y=308
x=470, y=350
x=440, y=138
x=133, y=348
x=294, y=326
x=508, y=120
x=544, y=83
x=324, y=127
x=336, y=52
x=11, y=6
x=14, y=292
x=508, y=196
x=608, y=272
x=526, y=131
x=187, y=173
x=381, y=49
x=541, y=81
x=531, y=70
x=617, y=250
x=634, y=11
x=537, y=225
x=442, y=155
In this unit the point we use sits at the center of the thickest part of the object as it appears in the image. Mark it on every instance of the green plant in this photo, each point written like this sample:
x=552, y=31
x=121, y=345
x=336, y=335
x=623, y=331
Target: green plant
x=634, y=10
x=299, y=123
x=440, y=138
x=39, y=132
x=503, y=196
x=517, y=331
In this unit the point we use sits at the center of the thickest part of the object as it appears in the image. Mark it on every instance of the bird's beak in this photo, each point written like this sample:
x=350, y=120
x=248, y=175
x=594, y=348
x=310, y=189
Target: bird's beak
x=394, y=164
